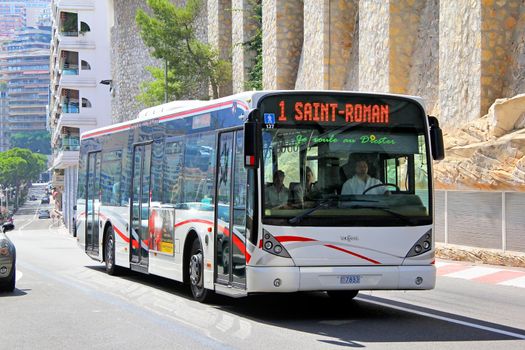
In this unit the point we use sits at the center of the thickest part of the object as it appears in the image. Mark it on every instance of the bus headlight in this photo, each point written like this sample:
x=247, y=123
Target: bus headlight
x=273, y=246
x=422, y=245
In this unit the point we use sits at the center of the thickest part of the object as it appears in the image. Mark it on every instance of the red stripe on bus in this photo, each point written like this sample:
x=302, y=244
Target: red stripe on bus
x=236, y=240
x=107, y=131
x=294, y=239
x=126, y=239
x=352, y=253
x=163, y=118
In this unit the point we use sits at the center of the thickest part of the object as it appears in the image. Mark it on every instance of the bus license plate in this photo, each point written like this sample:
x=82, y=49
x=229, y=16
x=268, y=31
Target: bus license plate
x=350, y=279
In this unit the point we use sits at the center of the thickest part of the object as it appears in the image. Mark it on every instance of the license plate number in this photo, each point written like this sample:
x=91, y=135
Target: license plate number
x=350, y=279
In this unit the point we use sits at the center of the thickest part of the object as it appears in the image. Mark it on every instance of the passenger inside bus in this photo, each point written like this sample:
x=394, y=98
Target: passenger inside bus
x=276, y=194
x=361, y=181
x=303, y=191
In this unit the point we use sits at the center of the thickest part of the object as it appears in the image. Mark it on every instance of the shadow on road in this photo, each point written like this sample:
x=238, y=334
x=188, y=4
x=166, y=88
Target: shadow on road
x=350, y=323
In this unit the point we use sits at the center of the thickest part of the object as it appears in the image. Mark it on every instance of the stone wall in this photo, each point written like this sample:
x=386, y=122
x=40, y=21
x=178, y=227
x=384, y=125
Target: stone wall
x=374, y=46
x=243, y=29
x=282, y=42
x=460, y=56
x=129, y=57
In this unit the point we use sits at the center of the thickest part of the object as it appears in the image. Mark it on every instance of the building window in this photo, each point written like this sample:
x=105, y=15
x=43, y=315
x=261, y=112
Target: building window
x=84, y=27
x=85, y=65
x=86, y=103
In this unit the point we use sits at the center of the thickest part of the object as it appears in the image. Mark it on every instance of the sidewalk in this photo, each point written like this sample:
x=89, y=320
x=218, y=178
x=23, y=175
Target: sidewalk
x=479, y=255
x=505, y=276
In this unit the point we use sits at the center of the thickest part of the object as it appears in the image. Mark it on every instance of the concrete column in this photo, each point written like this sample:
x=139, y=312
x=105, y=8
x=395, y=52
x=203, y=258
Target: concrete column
x=405, y=18
x=329, y=29
x=282, y=42
x=460, y=57
x=243, y=29
x=515, y=74
x=499, y=26
x=220, y=33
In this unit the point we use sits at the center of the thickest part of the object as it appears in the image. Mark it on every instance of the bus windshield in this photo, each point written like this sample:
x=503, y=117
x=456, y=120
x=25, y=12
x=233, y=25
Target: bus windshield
x=340, y=172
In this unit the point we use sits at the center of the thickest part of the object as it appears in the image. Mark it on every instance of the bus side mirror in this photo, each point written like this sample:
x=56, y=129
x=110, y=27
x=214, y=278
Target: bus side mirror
x=436, y=139
x=251, y=159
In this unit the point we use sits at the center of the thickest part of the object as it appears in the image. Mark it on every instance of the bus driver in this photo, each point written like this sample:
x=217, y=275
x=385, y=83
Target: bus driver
x=358, y=183
x=277, y=194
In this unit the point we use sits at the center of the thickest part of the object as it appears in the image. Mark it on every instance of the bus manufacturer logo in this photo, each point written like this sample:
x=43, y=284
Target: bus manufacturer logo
x=349, y=238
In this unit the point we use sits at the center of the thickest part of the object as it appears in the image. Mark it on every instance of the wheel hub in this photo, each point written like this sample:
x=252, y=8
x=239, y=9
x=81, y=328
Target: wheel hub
x=195, y=269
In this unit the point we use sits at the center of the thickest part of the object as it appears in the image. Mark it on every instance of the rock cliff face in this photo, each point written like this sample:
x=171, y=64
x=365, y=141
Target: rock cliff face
x=487, y=153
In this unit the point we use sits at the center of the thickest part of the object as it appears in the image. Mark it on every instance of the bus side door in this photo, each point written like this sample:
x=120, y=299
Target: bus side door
x=140, y=207
x=93, y=203
x=230, y=212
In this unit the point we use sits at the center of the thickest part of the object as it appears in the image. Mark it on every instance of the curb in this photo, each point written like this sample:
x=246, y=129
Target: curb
x=479, y=255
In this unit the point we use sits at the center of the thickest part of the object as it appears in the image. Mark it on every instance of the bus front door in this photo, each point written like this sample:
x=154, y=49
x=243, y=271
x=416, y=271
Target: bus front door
x=140, y=203
x=230, y=212
x=92, y=204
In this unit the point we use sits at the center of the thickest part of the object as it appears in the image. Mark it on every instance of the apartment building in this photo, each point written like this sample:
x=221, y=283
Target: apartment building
x=80, y=87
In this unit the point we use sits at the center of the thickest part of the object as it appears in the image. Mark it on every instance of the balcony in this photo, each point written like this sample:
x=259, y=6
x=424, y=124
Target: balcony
x=76, y=5
x=65, y=158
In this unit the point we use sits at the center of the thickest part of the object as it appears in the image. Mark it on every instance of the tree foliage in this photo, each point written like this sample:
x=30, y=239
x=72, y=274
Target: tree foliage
x=255, y=45
x=170, y=32
x=36, y=141
x=19, y=166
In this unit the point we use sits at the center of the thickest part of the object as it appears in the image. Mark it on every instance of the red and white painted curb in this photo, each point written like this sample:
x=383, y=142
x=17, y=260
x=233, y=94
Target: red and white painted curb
x=483, y=274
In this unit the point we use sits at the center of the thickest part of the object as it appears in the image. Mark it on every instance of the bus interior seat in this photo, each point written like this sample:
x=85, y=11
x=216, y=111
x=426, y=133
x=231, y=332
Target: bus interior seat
x=295, y=193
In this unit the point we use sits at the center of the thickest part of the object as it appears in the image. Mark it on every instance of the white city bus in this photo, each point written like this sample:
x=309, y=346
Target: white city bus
x=185, y=192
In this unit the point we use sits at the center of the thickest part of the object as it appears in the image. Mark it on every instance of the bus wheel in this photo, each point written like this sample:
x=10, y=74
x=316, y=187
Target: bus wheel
x=196, y=272
x=342, y=295
x=109, y=250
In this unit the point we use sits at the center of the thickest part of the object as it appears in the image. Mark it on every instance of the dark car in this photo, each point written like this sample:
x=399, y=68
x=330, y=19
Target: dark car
x=44, y=214
x=32, y=198
x=7, y=260
x=45, y=200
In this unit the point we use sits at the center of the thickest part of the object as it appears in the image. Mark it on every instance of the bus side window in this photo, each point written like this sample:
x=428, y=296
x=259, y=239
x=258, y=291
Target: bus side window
x=171, y=182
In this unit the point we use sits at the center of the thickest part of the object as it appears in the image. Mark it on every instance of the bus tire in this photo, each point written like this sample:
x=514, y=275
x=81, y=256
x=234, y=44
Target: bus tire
x=342, y=295
x=109, y=253
x=196, y=273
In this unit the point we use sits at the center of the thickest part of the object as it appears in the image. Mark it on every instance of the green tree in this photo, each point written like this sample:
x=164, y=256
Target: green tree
x=36, y=141
x=255, y=44
x=19, y=166
x=170, y=33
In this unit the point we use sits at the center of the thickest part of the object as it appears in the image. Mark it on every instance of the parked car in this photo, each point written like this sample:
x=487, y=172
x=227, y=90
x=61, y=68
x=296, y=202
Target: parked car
x=32, y=198
x=7, y=259
x=44, y=214
x=45, y=200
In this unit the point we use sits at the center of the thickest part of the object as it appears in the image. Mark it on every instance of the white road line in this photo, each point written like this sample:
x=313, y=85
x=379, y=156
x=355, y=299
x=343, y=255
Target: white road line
x=515, y=282
x=473, y=272
x=19, y=275
x=446, y=319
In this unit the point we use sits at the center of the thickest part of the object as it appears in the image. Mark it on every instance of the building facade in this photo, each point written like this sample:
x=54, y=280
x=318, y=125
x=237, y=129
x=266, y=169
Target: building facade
x=25, y=68
x=4, y=125
x=80, y=88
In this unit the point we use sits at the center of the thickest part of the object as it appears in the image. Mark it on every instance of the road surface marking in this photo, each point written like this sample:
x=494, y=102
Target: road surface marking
x=473, y=272
x=491, y=275
x=446, y=319
x=515, y=282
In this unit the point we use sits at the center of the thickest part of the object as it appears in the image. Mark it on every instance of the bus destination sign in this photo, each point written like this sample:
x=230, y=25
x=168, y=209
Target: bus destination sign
x=332, y=112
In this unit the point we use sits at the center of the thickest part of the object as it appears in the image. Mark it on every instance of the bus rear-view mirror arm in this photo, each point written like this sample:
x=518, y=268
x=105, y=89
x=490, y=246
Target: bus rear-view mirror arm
x=436, y=139
x=251, y=130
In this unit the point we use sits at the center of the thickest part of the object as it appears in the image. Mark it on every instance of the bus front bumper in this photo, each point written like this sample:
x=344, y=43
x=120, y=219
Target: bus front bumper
x=294, y=279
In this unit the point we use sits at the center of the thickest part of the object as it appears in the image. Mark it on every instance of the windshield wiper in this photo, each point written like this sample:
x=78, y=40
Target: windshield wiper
x=404, y=218
x=322, y=204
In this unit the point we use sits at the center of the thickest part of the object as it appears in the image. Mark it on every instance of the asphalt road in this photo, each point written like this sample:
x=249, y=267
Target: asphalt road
x=65, y=300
